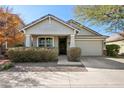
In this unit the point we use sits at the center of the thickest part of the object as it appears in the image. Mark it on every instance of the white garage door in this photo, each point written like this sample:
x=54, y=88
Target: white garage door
x=90, y=47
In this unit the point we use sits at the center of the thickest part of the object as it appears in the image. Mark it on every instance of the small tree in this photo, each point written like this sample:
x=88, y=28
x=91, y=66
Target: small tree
x=9, y=27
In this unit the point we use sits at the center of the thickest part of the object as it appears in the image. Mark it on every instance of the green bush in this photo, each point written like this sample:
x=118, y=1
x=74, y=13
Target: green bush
x=32, y=54
x=6, y=66
x=112, y=50
x=74, y=54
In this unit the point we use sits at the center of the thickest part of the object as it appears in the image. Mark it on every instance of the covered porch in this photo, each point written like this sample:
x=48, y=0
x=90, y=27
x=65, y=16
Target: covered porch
x=62, y=42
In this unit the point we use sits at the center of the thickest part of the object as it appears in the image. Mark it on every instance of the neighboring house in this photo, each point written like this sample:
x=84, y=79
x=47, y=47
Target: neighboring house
x=116, y=39
x=50, y=31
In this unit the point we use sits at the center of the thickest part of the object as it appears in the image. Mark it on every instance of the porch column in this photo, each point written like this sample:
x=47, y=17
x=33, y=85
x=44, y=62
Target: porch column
x=72, y=40
x=28, y=41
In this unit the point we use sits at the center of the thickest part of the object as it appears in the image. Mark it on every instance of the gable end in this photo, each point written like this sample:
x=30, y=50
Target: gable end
x=49, y=16
x=81, y=27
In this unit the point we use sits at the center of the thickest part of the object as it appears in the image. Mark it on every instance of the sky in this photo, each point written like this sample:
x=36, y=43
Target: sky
x=29, y=13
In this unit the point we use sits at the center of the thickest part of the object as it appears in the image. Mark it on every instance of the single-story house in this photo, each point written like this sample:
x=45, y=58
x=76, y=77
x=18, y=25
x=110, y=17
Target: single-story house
x=116, y=39
x=50, y=31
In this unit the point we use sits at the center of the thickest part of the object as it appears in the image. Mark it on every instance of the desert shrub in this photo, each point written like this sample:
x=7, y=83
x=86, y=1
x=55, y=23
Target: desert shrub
x=74, y=54
x=32, y=54
x=112, y=50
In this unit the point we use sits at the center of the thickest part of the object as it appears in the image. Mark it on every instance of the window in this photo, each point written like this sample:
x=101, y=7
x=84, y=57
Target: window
x=41, y=42
x=45, y=42
x=49, y=42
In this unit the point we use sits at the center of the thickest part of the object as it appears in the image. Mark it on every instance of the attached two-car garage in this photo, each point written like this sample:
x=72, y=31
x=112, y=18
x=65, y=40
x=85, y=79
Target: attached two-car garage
x=90, y=47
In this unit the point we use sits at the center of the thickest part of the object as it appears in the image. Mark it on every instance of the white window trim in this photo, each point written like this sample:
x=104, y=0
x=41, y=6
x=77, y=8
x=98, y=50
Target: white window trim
x=45, y=39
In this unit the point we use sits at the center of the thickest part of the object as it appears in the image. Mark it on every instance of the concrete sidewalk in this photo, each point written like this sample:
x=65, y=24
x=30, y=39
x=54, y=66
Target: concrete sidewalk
x=97, y=79
x=62, y=79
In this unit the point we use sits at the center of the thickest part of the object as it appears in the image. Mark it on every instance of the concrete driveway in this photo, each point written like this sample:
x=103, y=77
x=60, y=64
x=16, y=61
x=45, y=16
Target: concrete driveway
x=103, y=63
x=102, y=72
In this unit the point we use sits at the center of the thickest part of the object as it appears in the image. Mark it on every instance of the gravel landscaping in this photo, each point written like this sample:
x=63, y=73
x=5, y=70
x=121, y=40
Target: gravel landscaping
x=46, y=67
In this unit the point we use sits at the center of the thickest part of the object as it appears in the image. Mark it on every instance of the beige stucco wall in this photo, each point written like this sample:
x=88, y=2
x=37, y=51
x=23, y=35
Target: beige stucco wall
x=120, y=43
x=52, y=28
x=90, y=47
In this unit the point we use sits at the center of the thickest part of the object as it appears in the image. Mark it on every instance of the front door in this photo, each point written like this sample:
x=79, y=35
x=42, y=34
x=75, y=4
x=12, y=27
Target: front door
x=62, y=45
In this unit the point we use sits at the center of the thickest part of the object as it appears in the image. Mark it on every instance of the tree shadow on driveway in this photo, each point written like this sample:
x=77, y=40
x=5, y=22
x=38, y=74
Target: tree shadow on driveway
x=104, y=63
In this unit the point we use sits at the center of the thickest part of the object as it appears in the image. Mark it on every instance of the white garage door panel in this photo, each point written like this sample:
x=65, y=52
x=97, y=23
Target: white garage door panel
x=90, y=47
